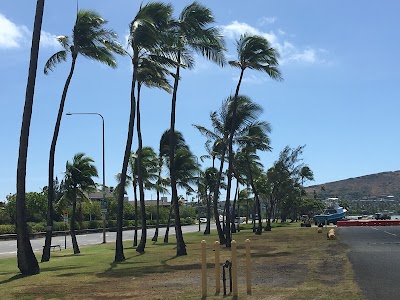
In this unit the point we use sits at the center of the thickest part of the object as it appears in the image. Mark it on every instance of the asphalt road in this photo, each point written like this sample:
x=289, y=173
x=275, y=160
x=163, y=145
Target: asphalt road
x=9, y=248
x=375, y=255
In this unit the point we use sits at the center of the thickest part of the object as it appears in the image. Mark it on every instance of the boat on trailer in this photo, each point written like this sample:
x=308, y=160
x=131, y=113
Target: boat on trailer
x=333, y=213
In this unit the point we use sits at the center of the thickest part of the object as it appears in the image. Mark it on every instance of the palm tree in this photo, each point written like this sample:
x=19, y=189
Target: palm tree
x=27, y=262
x=149, y=173
x=78, y=180
x=208, y=180
x=149, y=74
x=254, y=52
x=91, y=40
x=222, y=122
x=144, y=35
x=191, y=32
x=255, y=137
x=306, y=174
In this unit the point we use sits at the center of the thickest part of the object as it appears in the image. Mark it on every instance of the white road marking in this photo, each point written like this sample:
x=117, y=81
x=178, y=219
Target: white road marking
x=390, y=233
x=374, y=228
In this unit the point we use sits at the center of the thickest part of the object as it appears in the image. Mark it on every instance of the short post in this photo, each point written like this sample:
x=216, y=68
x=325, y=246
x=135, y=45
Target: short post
x=203, y=269
x=217, y=269
x=248, y=267
x=234, y=269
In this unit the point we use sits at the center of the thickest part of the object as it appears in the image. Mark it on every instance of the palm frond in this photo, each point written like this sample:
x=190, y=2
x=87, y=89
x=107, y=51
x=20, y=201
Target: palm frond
x=54, y=60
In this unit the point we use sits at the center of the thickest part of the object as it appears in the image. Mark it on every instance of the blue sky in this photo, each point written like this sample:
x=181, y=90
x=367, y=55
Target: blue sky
x=340, y=94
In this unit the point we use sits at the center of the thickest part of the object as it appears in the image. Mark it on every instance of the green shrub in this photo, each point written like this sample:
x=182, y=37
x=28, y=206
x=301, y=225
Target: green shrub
x=7, y=229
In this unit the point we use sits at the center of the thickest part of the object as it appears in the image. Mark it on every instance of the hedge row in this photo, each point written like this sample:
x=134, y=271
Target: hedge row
x=95, y=224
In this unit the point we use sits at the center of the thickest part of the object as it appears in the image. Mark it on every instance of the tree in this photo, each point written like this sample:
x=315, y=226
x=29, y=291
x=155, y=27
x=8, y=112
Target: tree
x=78, y=181
x=149, y=173
x=222, y=122
x=255, y=137
x=150, y=74
x=191, y=32
x=91, y=40
x=282, y=179
x=186, y=174
x=208, y=180
x=254, y=52
x=27, y=262
x=144, y=34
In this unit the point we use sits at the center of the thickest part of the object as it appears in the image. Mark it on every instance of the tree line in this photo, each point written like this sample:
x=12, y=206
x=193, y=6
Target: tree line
x=160, y=46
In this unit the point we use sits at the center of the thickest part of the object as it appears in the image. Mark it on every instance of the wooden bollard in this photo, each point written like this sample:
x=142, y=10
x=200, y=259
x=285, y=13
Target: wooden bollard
x=234, y=269
x=217, y=269
x=248, y=267
x=331, y=235
x=203, y=269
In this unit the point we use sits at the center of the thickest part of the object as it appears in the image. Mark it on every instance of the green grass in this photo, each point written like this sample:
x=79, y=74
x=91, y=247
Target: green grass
x=286, y=264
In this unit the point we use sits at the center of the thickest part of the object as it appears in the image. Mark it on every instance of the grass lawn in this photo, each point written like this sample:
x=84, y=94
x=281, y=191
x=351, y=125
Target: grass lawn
x=287, y=263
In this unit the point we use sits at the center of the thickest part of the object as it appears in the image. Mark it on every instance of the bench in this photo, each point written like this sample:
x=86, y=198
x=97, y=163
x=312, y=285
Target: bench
x=54, y=247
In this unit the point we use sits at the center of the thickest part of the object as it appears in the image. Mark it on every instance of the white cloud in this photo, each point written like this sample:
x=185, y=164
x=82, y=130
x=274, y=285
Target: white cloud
x=267, y=20
x=289, y=52
x=11, y=35
x=49, y=40
x=18, y=36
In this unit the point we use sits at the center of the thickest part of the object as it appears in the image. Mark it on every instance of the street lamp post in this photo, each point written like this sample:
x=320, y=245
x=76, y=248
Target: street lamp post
x=103, y=204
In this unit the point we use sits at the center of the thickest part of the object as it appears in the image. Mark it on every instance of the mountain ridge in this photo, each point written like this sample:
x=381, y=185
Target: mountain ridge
x=375, y=185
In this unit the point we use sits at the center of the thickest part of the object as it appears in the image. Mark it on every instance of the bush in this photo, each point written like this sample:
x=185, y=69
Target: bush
x=7, y=229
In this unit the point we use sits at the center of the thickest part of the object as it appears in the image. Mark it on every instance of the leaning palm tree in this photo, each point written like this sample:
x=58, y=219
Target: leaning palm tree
x=149, y=74
x=191, y=32
x=78, y=181
x=255, y=137
x=91, y=40
x=27, y=262
x=149, y=172
x=144, y=35
x=222, y=122
x=254, y=52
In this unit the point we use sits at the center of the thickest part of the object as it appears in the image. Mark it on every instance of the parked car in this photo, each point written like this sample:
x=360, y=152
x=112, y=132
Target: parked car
x=382, y=216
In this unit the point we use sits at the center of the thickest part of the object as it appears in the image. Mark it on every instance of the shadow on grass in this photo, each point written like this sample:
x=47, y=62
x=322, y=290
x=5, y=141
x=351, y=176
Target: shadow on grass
x=140, y=269
x=15, y=277
x=276, y=254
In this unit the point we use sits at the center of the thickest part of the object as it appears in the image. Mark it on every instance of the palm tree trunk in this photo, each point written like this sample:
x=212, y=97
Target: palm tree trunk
x=50, y=194
x=180, y=243
x=27, y=262
x=166, y=236
x=208, y=227
x=221, y=236
x=257, y=204
x=135, y=235
x=72, y=227
x=233, y=227
x=119, y=248
x=143, y=238
x=230, y=167
x=155, y=237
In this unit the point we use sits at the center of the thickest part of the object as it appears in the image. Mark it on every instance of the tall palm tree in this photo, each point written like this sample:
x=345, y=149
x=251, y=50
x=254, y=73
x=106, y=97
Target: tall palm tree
x=150, y=74
x=208, y=179
x=27, y=262
x=191, y=32
x=255, y=137
x=144, y=35
x=91, y=40
x=78, y=181
x=254, y=52
x=222, y=121
x=149, y=173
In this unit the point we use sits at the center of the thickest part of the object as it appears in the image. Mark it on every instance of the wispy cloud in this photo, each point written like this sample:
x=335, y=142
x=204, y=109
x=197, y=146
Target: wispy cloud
x=19, y=36
x=267, y=20
x=289, y=52
x=11, y=35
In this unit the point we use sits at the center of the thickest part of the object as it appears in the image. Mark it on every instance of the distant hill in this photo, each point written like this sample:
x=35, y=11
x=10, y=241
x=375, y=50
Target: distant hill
x=374, y=185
